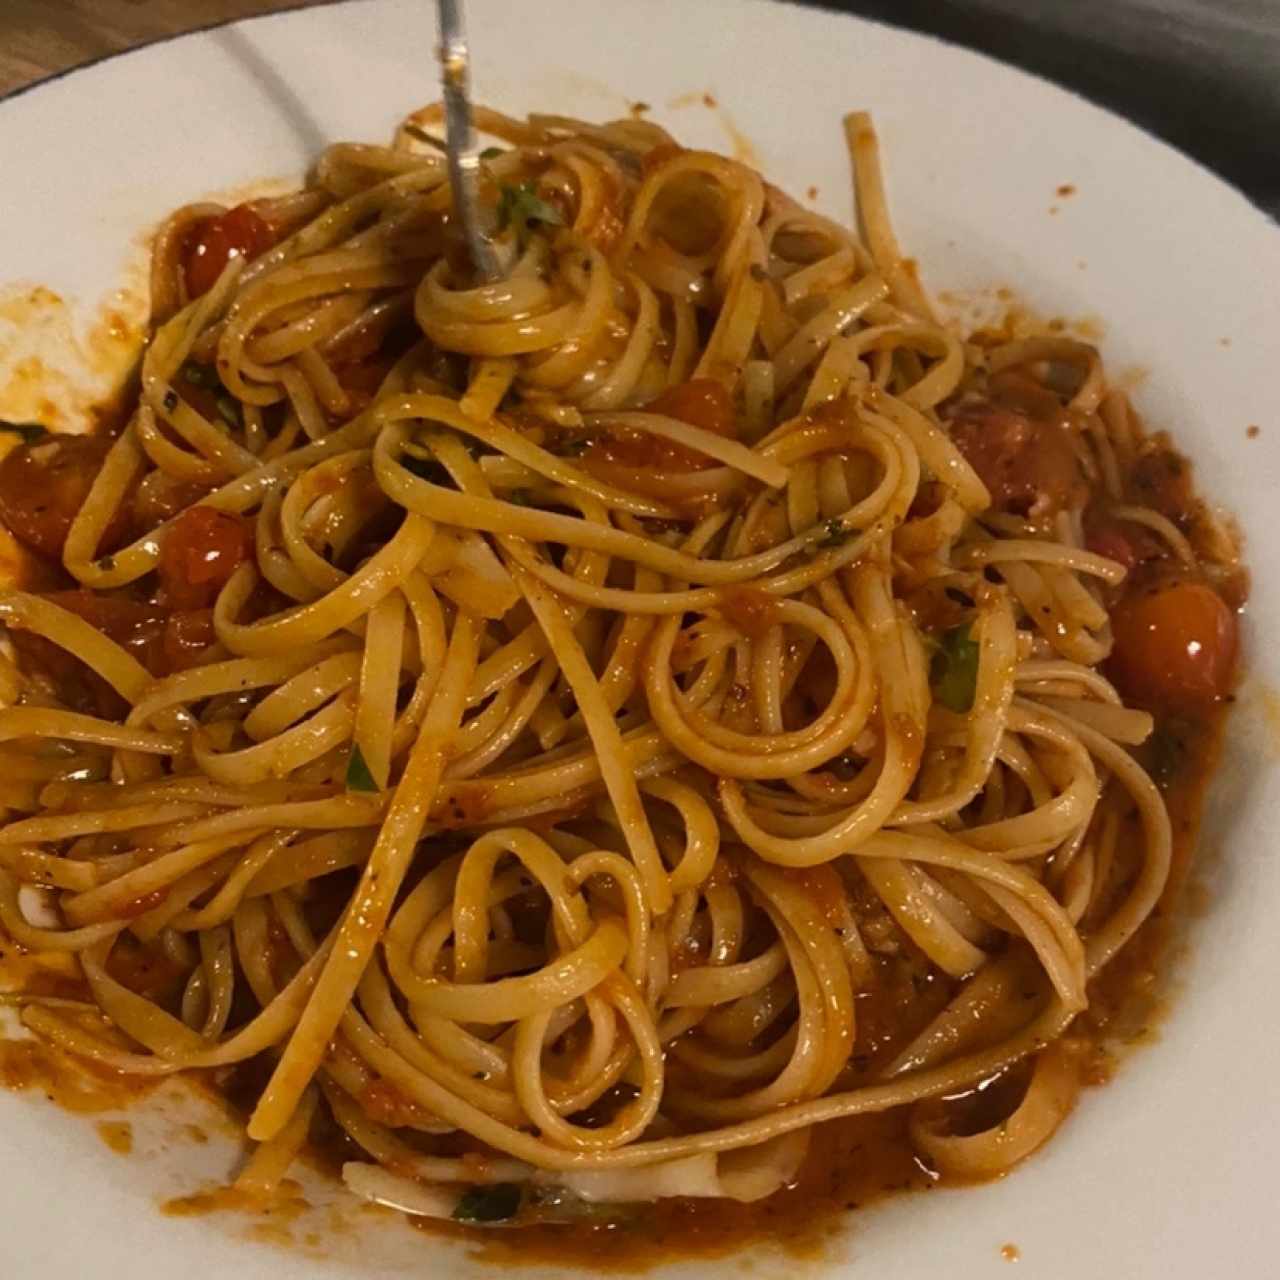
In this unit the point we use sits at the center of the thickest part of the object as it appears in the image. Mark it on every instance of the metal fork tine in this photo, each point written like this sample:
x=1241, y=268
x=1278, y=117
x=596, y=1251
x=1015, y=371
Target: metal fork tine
x=464, y=160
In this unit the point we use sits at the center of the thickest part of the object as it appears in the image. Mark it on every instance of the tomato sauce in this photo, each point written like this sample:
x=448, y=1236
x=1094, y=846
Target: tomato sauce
x=617, y=457
x=1176, y=650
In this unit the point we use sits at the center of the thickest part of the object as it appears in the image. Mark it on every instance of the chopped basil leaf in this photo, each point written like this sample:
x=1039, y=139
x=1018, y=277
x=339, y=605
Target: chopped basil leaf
x=954, y=670
x=497, y=1203
x=520, y=207
x=490, y=152
x=29, y=431
x=836, y=533
x=200, y=375
x=358, y=776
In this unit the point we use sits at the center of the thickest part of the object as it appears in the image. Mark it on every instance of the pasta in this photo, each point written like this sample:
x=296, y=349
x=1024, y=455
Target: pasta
x=534, y=721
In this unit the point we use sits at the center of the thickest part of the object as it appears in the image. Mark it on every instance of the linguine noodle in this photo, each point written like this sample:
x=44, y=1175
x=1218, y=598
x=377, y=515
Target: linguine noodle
x=626, y=668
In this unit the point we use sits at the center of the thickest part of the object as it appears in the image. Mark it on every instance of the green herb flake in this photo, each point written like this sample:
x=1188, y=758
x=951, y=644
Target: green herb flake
x=491, y=153
x=228, y=410
x=200, y=375
x=836, y=535
x=954, y=669
x=520, y=208
x=497, y=1203
x=358, y=776
x=29, y=431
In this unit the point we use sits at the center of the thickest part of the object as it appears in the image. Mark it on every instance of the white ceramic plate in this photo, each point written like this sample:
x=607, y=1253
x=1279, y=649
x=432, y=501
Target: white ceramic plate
x=1168, y=1172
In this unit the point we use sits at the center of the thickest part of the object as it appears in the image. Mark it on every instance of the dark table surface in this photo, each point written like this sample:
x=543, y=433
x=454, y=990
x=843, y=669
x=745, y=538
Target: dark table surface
x=1203, y=75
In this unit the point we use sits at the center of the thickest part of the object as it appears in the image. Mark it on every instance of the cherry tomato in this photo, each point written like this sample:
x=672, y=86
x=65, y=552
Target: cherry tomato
x=1014, y=389
x=116, y=615
x=1125, y=541
x=1175, y=644
x=44, y=485
x=200, y=552
x=213, y=242
x=1027, y=464
x=70, y=681
x=133, y=624
x=1110, y=541
x=159, y=497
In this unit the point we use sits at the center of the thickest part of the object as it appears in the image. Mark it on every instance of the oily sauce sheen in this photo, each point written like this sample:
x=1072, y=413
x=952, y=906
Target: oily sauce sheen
x=853, y=1163
x=1174, y=654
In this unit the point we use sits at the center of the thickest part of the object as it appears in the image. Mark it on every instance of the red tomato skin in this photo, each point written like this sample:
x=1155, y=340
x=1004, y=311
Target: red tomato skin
x=43, y=486
x=200, y=552
x=1027, y=464
x=213, y=242
x=1110, y=542
x=1175, y=643
x=135, y=625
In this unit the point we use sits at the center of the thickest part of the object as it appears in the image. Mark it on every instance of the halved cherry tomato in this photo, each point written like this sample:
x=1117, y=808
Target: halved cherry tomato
x=213, y=242
x=1175, y=644
x=112, y=613
x=1110, y=540
x=1028, y=465
x=1125, y=541
x=44, y=485
x=135, y=625
x=200, y=552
